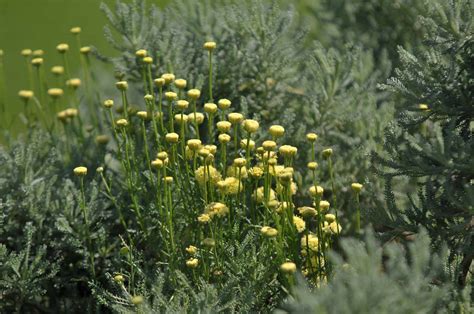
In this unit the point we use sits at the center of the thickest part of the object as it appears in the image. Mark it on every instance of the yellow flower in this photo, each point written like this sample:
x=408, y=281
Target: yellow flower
x=223, y=126
x=142, y=115
x=330, y=218
x=230, y=186
x=260, y=195
x=180, y=83
x=192, y=263
x=210, y=108
x=159, y=82
x=26, y=52
x=74, y=83
x=233, y=171
x=250, y=125
x=55, y=92
x=324, y=205
x=235, y=117
x=203, y=175
x=316, y=191
x=311, y=137
x=224, y=138
x=194, y=144
x=256, y=172
x=38, y=53
x=80, y=171
x=299, y=224
x=327, y=153
x=168, y=77
x=312, y=242
x=108, y=103
x=148, y=60
x=194, y=93
x=224, y=103
x=85, y=50
x=356, y=187
x=122, y=85
x=269, y=145
x=307, y=211
x=137, y=300
x=178, y=118
x=216, y=209
x=57, y=70
x=243, y=144
x=37, y=61
x=335, y=228
x=312, y=165
x=157, y=164
x=204, y=218
x=288, y=268
x=191, y=249
x=122, y=122
x=423, y=107
x=199, y=117
x=288, y=151
x=171, y=95
x=119, y=279
x=172, y=137
x=62, y=48
x=209, y=45
x=277, y=131
x=75, y=30
x=141, y=53
x=25, y=94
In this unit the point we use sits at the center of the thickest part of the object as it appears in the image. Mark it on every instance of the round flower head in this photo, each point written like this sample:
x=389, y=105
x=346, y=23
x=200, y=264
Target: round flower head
x=310, y=242
x=223, y=126
x=162, y=155
x=199, y=117
x=26, y=52
x=57, y=70
x=204, y=219
x=62, y=48
x=80, y=171
x=324, y=205
x=209, y=175
x=312, y=165
x=109, y=103
x=269, y=145
x=307, y=211
x=148, y=60
x=122, y=85
x=287, y=151
x=299, y=224
x=230, y=186
x=191, y=249
x=203, y=152
x=224, y=104
x=37, y=62
x=194, y=144
x=62, y=116
x=246, y=143
x=148, y=97
x=209, y=45
x=142, y=115
x=192, y=263
x=55, y=92
x=256, y=172
x=311, y=137
x=217, y=209
x=71, y=112
x=102, y=139
x=137, y=300
x=235, y=117
x=327, y=153
x=335, y=228
x=277, y=131
x=288, y=268
x=316, y=191
x=25, y=94
x=240, y=162
x=330, y=218
x=75, y=30
x=168, y=77
x=74, y=83
x=210, y=108
x=182, y=104
x=141, y=53
x=269, y=232
x=250, y=125
x=423, y=107
x=233, y=171
x=122, y=122
x=194, y=93
x=172, y=138
x=180, y=83
x=211, y=148
x=260, y=196
x=159, y=82
x=224, y=138
x=85, y=50
x=178, y=118
x=157, y=164
x=356, y=187
x=171, y=95
x=119, y=278
x=168, y=179
x=38, y=53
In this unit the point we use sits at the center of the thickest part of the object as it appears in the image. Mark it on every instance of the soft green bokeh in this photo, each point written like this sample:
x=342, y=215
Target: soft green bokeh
x=42, y=24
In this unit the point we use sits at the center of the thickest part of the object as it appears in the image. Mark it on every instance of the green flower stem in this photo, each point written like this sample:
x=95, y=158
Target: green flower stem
x=210, y=77
x=333, y=187
x=236, y=139
x=125, y=104
x=357, y=217
x=210, y=123
x=160, y=109
x=196, y=126
x=170, y=116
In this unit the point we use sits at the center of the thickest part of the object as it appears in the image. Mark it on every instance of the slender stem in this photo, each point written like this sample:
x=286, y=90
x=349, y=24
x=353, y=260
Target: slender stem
x=196, y=126
x=210, y=76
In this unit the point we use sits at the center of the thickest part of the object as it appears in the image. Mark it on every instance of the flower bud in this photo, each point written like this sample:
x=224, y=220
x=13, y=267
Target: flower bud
x=224, y=104
x=80, y=171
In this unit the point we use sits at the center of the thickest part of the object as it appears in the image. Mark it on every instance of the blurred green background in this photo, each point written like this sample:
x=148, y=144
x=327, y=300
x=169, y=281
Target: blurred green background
x=42, y=24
